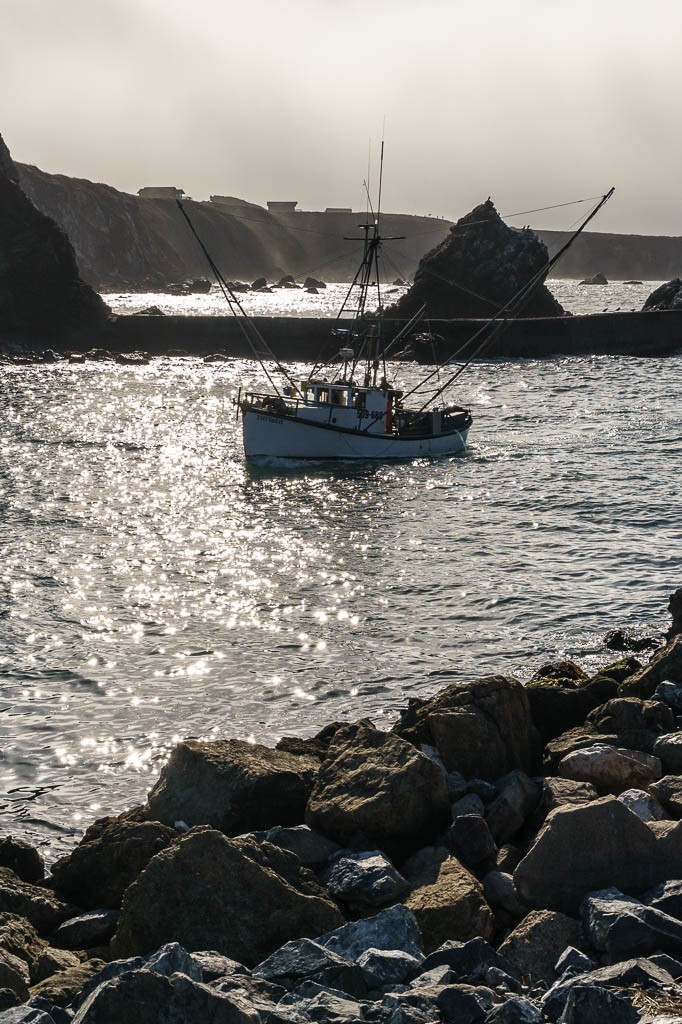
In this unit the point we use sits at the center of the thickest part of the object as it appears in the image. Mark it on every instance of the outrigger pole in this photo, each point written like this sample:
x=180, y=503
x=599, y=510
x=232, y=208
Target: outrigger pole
x=255, y=339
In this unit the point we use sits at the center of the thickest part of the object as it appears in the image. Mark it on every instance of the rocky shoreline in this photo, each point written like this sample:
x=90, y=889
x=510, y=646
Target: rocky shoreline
x=505, y=855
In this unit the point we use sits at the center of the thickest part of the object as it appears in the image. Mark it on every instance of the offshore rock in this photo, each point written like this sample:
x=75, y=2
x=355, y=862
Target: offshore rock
x=109, y=857
x=666, y=296
x=376, y=790
x=477, y=269
x=233, y=786
x=205, y=892
x=482, y=729
x=41, y=291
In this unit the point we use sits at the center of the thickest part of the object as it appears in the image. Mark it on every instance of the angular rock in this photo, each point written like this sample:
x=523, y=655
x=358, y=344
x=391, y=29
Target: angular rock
x=605, y=844
x=384, y=967
x=20, y=857
x=233, y=786
x=450, y=906
x=666, y=296
x=60, y=988
x=329, y=1007
x=303, y=959
x=669, y=749
x=285, y=864
x=535, y=945
x=573, y=739
x=87, y=930
x=666, y=896
x=638, y=973
x=20, y=938
x=628, y=715
x=666, y=664
x=607, y=769
x=39, y=906
x=204, y=891
x=671, y=694
x=464, y=1004
x=312, y=848
x=467, y=805
x=109, y=857
x=508, y=856
x=375, y=789
x=215, y=965
x=395, y=928
x=174, y=959
x=669, y=791
x=365, y=877
x=478, y=268
x=14, y=974
x=555, y=708
x=482, y=729
x=557, y=792
x=25, y=1015
x=515, y=1010
x=624, y=928
x=572, y=962
x=486, y=791
x=518, y=796
x=52, y=961
x=592, y=1004
x=673, y=967
x=469, y=961
x=646, y=807
x=500, y=893
x=470, y=840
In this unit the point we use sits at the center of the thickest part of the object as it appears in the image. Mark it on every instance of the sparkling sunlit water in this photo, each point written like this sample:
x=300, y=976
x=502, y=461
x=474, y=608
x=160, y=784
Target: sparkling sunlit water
x=154, y=587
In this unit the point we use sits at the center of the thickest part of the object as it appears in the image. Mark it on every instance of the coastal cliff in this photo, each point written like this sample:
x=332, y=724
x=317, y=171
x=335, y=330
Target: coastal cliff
x=130, y=243
x=41, y=292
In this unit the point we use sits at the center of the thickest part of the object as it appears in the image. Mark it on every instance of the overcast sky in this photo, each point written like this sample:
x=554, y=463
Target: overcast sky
x=529, y=102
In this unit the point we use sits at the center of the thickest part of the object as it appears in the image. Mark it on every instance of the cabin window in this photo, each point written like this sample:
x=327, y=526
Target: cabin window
x=323, y=395
x=337, y=397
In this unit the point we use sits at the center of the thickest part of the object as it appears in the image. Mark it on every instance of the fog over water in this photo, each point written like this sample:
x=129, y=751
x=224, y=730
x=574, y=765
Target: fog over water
x=530, y=102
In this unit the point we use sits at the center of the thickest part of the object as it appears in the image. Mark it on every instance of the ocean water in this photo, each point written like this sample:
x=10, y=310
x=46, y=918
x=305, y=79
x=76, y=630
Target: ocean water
x=154, y=587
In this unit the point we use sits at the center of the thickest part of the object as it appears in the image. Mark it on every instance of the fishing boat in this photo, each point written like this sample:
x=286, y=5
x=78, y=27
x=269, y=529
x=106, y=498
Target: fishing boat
x=346, y=408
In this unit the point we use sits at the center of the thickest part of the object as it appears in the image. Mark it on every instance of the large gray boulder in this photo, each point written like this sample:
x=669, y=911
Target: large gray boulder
x=482, y=729
x=608, y=769
x=205, y=892
x=233, y=786
x=395, y=928
x=376, y=790
x=604, y=843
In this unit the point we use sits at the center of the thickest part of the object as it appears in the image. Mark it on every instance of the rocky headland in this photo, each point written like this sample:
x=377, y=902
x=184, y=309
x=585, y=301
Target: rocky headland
x=507, y=854
x=41, y=291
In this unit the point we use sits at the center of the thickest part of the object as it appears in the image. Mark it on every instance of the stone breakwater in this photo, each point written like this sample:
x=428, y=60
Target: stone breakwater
x=505, y=855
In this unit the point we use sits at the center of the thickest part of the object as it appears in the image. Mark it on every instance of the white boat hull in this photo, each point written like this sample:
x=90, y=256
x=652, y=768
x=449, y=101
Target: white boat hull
x=269, y=436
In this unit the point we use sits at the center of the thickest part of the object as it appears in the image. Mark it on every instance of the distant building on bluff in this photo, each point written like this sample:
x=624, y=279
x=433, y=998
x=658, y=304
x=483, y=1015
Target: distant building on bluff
x=160, y=192
x=280, y=206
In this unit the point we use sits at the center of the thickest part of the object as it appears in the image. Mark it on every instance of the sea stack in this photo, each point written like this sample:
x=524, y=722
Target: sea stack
x=41, y=292
x=478, y=268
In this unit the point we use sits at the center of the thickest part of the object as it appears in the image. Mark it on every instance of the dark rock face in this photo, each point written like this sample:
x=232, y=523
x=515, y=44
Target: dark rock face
x=22, y=858
x=41, y=291
x=482, y=729
x=477, y=269
x=375, y=789
x=205, y=892
x=109, y=857
x=233, y=786
x=667, y=296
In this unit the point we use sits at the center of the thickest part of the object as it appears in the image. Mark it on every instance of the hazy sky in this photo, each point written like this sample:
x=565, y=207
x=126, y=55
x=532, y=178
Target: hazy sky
x=530, y=102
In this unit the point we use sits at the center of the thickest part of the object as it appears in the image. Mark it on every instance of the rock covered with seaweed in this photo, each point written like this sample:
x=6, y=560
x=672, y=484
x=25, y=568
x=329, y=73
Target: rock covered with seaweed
x=505, y=854
x=478, y=269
